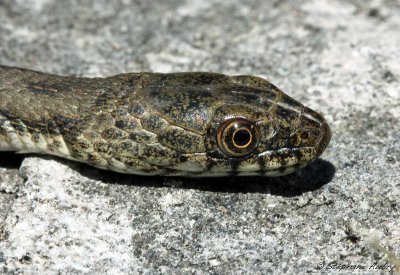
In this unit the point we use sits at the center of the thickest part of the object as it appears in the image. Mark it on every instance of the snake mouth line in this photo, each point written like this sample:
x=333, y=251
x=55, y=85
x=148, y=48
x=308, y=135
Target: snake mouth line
x=286, y=157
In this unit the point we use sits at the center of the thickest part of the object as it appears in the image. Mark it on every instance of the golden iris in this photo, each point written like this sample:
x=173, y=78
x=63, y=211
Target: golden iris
x=237, y=137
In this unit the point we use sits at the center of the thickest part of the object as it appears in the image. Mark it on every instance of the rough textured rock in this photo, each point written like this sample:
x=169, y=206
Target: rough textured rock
x=342, y=212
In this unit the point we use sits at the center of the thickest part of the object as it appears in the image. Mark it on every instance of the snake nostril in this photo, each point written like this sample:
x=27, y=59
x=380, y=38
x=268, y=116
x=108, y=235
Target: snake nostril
x=304, y=135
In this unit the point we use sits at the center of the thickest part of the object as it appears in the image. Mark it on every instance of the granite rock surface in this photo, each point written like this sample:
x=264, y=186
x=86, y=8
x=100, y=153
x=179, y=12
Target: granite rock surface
x=340, y=213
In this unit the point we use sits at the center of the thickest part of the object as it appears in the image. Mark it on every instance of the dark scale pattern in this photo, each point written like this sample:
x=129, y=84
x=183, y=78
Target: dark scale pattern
x=187, y=107
x=182, y=140
x=284, y=116
x=127, y=124
x=165, y=124
x=153, y=123
x=136, y=109
x=142, y=136
x=102, y=147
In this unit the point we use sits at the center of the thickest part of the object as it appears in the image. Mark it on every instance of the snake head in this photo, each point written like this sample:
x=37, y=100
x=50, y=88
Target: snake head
x=215, y=125
x=262, y=131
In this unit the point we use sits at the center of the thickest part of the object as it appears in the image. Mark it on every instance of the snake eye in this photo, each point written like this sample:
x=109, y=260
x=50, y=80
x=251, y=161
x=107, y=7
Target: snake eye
x=237, y=137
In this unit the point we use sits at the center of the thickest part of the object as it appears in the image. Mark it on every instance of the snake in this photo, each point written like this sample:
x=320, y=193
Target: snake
x=190, y=124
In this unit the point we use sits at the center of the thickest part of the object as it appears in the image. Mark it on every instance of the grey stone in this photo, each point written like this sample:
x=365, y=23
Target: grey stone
x=342, y=212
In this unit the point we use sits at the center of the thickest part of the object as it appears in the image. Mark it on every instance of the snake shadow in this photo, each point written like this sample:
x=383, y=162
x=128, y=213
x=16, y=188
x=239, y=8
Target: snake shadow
x=10, y=160
x=309, y=178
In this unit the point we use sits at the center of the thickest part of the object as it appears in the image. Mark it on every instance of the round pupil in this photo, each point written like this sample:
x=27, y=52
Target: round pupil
x=242, y=137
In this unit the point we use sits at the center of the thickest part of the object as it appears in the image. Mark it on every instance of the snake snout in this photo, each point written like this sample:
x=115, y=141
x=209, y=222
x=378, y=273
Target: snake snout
x=325, y=137
x=314, y=131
